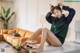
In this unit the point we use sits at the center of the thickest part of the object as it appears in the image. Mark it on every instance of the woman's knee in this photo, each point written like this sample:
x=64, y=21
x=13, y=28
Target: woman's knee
x=46, y=29
x=40, y=29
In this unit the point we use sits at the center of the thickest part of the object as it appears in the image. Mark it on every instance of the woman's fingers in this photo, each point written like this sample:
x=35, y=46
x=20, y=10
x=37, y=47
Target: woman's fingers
x=50, y=4
x=60, y=4
x=51, y=7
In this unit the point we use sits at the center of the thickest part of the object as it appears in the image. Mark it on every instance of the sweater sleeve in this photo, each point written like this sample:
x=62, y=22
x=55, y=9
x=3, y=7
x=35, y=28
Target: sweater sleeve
x=70, y=15
x=49, y=18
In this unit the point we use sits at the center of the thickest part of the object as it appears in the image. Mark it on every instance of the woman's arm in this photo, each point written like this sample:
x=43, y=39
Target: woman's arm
x=71, y=13
x=49, y=18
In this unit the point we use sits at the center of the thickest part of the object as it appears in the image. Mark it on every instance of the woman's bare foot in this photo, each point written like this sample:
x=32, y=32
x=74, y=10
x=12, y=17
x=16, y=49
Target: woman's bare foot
x=37, y=50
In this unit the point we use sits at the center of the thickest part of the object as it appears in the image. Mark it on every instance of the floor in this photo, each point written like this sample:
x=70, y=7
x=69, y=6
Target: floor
x=6, y=48
x=68, y=47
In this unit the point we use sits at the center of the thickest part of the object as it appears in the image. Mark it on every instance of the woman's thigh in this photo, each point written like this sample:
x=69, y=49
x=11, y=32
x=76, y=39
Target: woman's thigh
x=52, y=38
x=48, y=41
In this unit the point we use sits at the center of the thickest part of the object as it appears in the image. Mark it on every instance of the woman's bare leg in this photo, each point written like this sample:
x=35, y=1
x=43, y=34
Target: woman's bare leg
x=54, y=41
x=43, y=39
x=48, y=41
x=35, y=35
x=51, y=37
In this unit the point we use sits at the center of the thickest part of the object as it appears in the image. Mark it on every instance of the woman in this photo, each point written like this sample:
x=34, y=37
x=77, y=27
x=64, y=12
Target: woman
x=56, y=36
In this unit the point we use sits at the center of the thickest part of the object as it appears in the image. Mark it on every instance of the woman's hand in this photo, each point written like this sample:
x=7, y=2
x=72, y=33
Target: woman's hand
x=51, y=7
x=60, y=4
